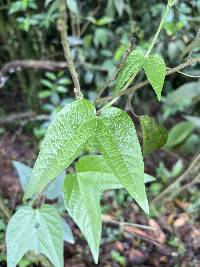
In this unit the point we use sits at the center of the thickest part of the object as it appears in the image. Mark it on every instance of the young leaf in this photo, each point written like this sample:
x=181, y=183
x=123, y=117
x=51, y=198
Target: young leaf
x=119, y=145
x=39, y=230
x=154, y=136
x=179, y=133
x=64, y=141
x=24, y=173
x=132, y=65
x=155, y=70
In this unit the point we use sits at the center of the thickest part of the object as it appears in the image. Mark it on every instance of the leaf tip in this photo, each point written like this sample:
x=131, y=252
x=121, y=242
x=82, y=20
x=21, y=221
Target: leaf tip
x=145, y=206
x=96, y=258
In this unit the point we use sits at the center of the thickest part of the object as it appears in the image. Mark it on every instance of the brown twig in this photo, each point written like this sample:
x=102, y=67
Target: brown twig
x=23, y=117
x=34, y=64
x=63, y=29
x=109, y=221
x=194, y=43
x=174, y=188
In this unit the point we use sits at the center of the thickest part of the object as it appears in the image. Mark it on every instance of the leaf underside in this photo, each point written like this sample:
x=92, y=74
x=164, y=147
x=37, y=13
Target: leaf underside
x=39, y=230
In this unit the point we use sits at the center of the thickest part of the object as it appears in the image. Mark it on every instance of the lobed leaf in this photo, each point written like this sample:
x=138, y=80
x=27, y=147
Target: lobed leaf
x=82, y=192
x=39, y=230
x=155, y=70
x=64, y=141
x=154, y=136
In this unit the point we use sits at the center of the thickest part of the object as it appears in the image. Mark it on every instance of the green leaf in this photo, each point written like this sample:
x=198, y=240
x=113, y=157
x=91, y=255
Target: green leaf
x=24, y=173
x=148, y=178
x=131, y=67
x=44, y=94
x=39, y=230
x=82, y=194
x=154, y=136
x=194, y=120
x=85, y=210
x=73, y=6
x=103, y=21
x=47, y=83
x=54, y=189
x=175, y=101
x=179, y=133
x=96, y=165
x=119, y=145
x=155, y=70
x=68, y=235
x=64, y=141
x=50, y=75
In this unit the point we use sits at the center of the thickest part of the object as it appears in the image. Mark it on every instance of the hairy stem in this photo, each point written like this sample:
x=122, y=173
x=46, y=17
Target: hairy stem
x=159, y=30
x=63, y=29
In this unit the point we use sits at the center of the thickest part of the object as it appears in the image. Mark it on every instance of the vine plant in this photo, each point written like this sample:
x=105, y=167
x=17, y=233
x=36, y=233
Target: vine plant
x=111, y=132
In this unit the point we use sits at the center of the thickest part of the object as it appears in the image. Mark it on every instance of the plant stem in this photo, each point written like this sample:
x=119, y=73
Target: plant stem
x=174, y=188
x=63, y=29
x=159, y=30
x=4, y=209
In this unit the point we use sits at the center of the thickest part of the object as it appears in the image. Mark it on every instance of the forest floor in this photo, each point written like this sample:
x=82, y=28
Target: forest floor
x=174, y=243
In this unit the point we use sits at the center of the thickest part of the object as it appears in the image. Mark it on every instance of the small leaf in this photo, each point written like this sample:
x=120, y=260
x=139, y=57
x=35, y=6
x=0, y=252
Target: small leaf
x=148, y=178
x=119, y=145
x=64, y=141
x=177, y=168
x=154, y=136
x=194, y=120
x=39, y=230
x=179, y=133
x=44, y=94
x=131, y=67
x=24, y=173
x=50, y=75
x=68, y=235
x=155, y=70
